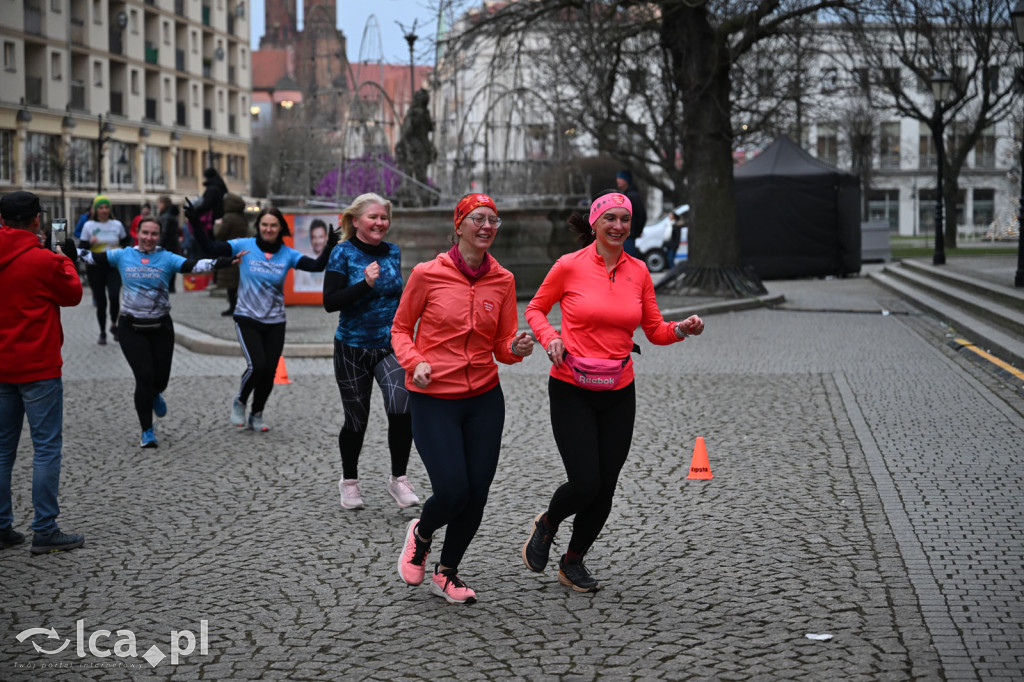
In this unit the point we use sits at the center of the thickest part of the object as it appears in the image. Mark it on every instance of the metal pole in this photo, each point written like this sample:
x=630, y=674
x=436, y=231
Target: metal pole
x=99, y=159
x=940, y=246
x=1018, y=280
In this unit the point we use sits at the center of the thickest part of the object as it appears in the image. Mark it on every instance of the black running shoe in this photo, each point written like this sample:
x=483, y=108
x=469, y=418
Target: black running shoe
x=538, y=546
x=10, y=537
x=56, y=542
x=575, y=575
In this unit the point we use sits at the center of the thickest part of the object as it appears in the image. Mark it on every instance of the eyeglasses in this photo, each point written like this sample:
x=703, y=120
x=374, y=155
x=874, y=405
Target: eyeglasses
x=479, y=219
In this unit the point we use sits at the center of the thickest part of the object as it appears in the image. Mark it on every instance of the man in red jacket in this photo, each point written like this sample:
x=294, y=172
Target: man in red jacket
x=36, y=283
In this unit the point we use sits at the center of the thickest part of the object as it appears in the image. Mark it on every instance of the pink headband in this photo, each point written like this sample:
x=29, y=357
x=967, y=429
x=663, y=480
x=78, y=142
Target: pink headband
x=607, y=201
x=469, y=202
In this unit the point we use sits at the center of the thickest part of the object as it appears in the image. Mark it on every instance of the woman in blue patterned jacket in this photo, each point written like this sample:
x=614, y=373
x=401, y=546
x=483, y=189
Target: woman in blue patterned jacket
x=363, y=283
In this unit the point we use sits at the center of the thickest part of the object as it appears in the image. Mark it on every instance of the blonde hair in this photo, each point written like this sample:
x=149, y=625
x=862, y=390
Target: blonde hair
x=357, y=208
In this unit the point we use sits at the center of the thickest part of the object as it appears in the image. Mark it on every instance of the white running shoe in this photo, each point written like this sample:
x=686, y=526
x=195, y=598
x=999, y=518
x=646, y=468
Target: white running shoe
x=238, y=413
x=401, y=490
x=350, y=497
x=256, y=422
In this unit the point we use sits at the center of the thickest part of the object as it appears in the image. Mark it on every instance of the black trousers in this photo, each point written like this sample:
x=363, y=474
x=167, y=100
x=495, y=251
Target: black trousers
x=262, y=345
x=149, y=353
x=105, y=282
x=593, y=431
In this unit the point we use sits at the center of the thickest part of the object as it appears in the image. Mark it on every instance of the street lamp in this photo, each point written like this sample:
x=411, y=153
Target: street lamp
x=105, y=129
x=1017, y=16
x=411, y=38
x=942, y=86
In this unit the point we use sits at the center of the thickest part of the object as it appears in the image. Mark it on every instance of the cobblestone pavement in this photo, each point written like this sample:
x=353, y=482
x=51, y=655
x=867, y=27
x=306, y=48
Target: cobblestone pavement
x=866, y=485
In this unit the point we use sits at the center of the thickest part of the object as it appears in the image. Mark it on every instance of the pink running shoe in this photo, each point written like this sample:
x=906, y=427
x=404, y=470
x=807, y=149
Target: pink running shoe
x=413, y=560
x=449, y=586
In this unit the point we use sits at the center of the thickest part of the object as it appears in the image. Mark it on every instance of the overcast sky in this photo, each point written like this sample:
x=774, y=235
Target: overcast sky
x=352, y=20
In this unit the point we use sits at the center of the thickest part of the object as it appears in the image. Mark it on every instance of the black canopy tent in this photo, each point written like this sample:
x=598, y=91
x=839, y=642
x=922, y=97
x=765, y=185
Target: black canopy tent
x=797, y=216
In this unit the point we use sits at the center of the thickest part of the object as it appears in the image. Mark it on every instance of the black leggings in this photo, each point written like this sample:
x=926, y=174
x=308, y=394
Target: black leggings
x=458, y=441
x=593, y=431
x=354, y=370
x=105, y=282
x=149, y=353
x=262, y=345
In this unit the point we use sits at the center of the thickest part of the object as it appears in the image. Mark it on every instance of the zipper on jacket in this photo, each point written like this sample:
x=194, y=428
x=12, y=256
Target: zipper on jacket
x=472, y=328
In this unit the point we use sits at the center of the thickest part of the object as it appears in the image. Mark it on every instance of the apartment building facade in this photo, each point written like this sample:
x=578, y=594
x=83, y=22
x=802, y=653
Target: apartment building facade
x=133, y=99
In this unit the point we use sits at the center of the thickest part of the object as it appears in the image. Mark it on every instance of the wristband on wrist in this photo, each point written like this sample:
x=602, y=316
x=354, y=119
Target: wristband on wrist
x=680, y=334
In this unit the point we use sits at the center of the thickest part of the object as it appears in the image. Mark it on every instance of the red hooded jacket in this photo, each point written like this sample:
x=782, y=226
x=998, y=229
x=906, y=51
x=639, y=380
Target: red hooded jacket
x=35, y=283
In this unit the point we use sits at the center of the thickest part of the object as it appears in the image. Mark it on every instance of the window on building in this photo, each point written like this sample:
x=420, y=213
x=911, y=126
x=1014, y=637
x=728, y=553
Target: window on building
x=167, y=32
x=960, y=77
x=122, y=164
x=889, y=146
x=984, y=201
x=97, y=74
x=10, y=56
x=56, y=66
x=828, y=143
x=81, y=162
x=884, y=204
x=891, y=79
x=194, y=40
x=765, y=81
x=156, y=162
x=195, y=95
x=862, y=75
x=928, y=153
x=41, y=158
x=97, y=12
x=186, y=163
x=6, y=155
x=220, y=100
x=56, y=6
x=926, y=209
x=241, y=53
x=167, y=89
x=134, y=78
x=133, y=21
x=991, y=78
x=829, y=80
x=985, y=149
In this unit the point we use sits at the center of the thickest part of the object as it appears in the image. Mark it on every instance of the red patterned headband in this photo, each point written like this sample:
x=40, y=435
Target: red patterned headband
x=471, y=201
x=607, y=201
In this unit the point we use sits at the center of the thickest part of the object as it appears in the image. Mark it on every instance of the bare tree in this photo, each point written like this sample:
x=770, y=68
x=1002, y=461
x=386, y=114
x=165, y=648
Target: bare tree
x=906, y=42
x=673, y=60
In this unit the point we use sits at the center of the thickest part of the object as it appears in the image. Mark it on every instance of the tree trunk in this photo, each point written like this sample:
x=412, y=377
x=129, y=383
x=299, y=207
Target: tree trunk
x=700, y=69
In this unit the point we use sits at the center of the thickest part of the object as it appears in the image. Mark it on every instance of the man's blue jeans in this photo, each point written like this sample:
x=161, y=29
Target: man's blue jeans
x=43, y=403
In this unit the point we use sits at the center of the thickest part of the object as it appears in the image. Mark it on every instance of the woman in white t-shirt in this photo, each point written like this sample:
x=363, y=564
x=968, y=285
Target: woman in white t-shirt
x=99, y=235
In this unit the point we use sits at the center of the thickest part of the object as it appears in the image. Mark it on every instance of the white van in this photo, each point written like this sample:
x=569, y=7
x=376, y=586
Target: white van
x=651, y=244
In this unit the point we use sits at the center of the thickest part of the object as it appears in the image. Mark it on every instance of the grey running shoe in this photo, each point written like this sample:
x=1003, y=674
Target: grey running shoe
x=238, y=413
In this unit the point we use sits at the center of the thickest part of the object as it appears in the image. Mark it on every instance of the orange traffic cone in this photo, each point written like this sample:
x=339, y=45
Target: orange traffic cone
x=281, y=375
x=700, y=468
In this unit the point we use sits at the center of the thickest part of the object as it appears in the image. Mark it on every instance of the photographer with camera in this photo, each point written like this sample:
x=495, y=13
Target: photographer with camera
x=36, y=283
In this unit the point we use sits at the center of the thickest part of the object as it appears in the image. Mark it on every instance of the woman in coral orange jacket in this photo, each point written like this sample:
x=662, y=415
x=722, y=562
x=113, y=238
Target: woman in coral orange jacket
x=604, y=295
x=465, y=305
